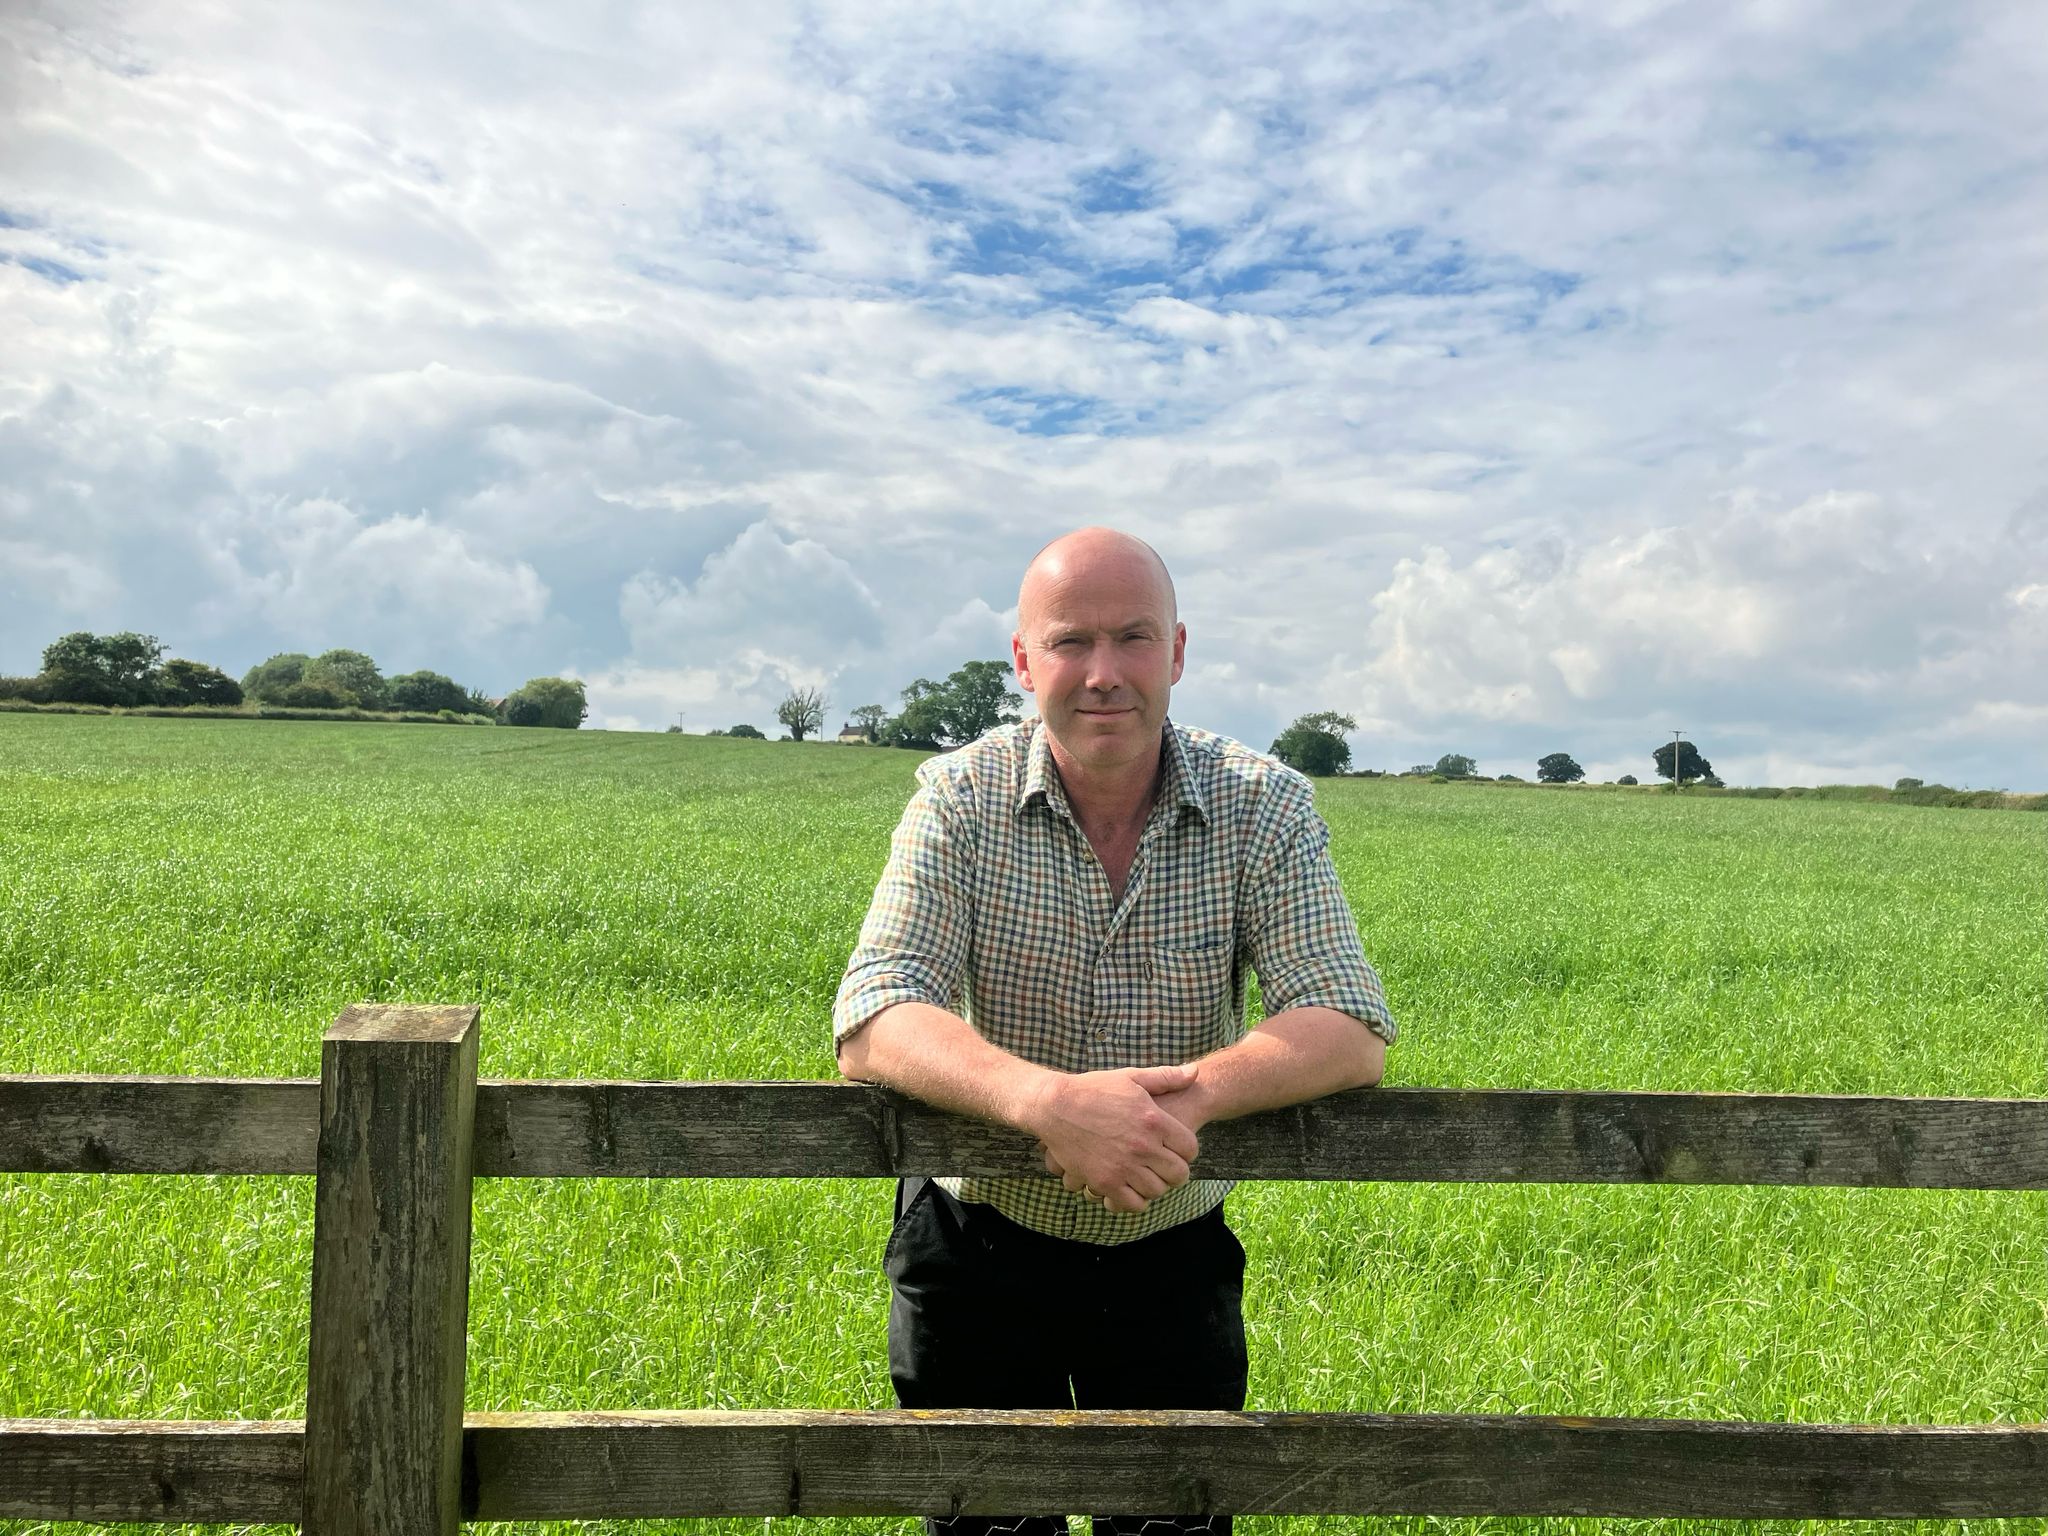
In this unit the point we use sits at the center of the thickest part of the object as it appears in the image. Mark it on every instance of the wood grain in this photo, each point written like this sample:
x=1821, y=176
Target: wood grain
x=851, y=1130
x=649, y=1466
x=391, y=1208
x=565, y=1466
x=107, y=1470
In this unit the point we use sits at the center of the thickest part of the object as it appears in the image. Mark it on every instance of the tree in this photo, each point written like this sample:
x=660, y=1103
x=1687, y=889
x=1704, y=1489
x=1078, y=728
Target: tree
x=1626, y=778
x=976, y=699
x=803, y=711
x=194, y=682
x=1558, y=768
x=1421, y=771
x=1690, y=764
x=746, y=731
x=1902, y=785
x=350, y=674
x=557, y=702
x=922, y=723
x=869, y=718
x=311, y=695
x=427, y=692
x=1315, y=744
x=267, y=680
x=1455, y=765
x=84, y=668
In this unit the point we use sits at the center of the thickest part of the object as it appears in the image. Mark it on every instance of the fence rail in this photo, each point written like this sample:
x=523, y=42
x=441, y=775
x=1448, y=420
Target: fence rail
x=819, y=1130
x=397, y=1127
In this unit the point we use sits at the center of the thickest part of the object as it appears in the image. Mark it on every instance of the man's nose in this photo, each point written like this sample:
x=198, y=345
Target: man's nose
x=1103, y=673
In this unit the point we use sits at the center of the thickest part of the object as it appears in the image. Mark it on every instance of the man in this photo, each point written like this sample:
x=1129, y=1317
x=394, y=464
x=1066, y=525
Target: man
x=1059, y=944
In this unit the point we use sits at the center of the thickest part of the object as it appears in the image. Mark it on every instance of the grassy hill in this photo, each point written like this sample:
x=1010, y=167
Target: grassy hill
x=202, y=897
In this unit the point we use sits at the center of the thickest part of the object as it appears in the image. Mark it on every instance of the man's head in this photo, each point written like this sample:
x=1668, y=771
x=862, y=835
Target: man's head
x=1100, y=644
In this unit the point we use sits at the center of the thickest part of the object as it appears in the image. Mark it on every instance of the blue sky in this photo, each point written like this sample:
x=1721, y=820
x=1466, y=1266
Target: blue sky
x=1514, y=378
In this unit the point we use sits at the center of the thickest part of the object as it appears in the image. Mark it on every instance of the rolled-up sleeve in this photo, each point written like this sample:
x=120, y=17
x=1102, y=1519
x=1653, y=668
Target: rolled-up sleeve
x=913, y=945
x=1299, y=934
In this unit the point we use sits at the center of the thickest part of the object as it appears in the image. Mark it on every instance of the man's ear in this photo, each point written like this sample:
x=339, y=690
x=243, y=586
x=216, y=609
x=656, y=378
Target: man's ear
x=1180, y=650
x=1021, y=660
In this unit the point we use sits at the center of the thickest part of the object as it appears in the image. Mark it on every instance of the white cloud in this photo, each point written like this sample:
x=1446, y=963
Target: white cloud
x=319, y=563
x=1493, y=368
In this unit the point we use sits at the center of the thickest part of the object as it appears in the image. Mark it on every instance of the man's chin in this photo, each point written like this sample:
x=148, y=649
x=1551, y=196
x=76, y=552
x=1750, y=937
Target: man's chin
x=1106, y=741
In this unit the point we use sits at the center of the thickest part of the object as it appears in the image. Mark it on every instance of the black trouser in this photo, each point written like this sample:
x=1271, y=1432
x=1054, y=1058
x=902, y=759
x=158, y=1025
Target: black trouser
x=984, y=1313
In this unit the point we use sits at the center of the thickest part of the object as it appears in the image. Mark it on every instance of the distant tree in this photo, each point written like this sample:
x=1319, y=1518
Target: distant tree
x=1315, y=744
x=307, y=694
x=976, y=699
x=194, y=682
x=869, y=718
x=350, y=674
x=480, y=703
x=746, y=731
x=1420, y=771
x=1454, y=765
x=84, y=668
x=1712, y=781
x=1690, y=764
x=547, y=701
x=803, y=711
x=1626, y=778
x=267, y=680
x=1903, y=785
x=677, y=730
x=1510, y=778
x=922, y=724
x=1558, y=768
x=427, y=692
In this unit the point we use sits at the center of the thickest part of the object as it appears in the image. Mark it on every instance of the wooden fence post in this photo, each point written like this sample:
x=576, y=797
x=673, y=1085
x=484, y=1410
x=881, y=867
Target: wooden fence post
x=390, y=1272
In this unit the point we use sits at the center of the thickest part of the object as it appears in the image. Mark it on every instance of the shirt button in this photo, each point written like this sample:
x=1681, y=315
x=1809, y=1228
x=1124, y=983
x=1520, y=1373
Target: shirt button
x=1148, y=970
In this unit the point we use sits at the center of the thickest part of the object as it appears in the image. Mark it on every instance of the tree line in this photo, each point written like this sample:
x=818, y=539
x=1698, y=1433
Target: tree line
x=1314, y=744
x=128, y=670
x=935, y=717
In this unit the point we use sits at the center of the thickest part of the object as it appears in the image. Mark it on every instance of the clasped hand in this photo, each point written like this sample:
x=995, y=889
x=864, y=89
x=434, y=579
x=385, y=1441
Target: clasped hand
x=1109, y=1136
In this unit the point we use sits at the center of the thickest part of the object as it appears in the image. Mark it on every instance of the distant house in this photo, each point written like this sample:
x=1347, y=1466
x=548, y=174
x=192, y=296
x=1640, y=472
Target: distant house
x=851, y=733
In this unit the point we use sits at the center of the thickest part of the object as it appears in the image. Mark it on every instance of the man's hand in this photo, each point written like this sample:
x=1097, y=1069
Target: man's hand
x=1104, y=1134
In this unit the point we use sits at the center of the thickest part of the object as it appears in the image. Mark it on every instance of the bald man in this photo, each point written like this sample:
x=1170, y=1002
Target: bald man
x=1059, y=943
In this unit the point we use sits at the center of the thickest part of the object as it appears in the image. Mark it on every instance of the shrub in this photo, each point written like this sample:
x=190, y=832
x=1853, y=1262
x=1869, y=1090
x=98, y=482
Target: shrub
x=1626, y=778
x=194, y=682
x=267, y=680
x=350, y=674
x=746, y=731
x=427, y=691
x=308, y=695
x=33, y=690
x=1902, y=785
x=556, y=702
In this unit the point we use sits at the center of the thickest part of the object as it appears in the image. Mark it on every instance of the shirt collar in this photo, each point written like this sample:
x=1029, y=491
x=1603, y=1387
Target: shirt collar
x=1042, y=780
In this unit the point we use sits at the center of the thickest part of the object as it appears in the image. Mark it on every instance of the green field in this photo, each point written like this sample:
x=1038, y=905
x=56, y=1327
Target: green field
x=202, y=897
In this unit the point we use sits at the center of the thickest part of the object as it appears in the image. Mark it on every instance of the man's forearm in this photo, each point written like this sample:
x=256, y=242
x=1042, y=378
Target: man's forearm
x=938, y=1057
x=1291, y=1057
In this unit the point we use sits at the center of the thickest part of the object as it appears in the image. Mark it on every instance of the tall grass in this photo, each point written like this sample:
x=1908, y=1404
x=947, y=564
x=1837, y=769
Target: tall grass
x=203, y=897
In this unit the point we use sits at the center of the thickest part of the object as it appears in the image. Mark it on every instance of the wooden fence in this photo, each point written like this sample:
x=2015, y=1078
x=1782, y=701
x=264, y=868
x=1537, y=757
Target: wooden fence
x=398, y=1124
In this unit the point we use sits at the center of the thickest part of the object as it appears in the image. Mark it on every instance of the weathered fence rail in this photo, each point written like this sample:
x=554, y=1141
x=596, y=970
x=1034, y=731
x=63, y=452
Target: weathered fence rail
x=398, y=1125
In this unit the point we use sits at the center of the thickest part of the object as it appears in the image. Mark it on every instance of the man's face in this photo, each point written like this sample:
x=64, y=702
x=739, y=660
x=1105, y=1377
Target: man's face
x=1101, y=652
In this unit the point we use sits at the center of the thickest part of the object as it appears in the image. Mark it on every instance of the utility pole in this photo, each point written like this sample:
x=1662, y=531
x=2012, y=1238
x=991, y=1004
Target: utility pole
x=1677, y=779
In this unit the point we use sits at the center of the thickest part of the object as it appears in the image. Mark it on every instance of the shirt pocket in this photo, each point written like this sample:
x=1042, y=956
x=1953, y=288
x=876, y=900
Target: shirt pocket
x=1190, y=987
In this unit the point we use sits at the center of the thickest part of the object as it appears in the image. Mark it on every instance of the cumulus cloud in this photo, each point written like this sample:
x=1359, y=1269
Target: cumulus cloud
x=1493, y=368
x=318, y=562
x=1766, y=621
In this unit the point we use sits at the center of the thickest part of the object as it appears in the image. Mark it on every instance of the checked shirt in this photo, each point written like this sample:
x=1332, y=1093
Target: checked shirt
x=994, y=907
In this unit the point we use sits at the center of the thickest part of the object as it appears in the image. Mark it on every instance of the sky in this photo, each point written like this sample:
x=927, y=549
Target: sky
x=1513, y=377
